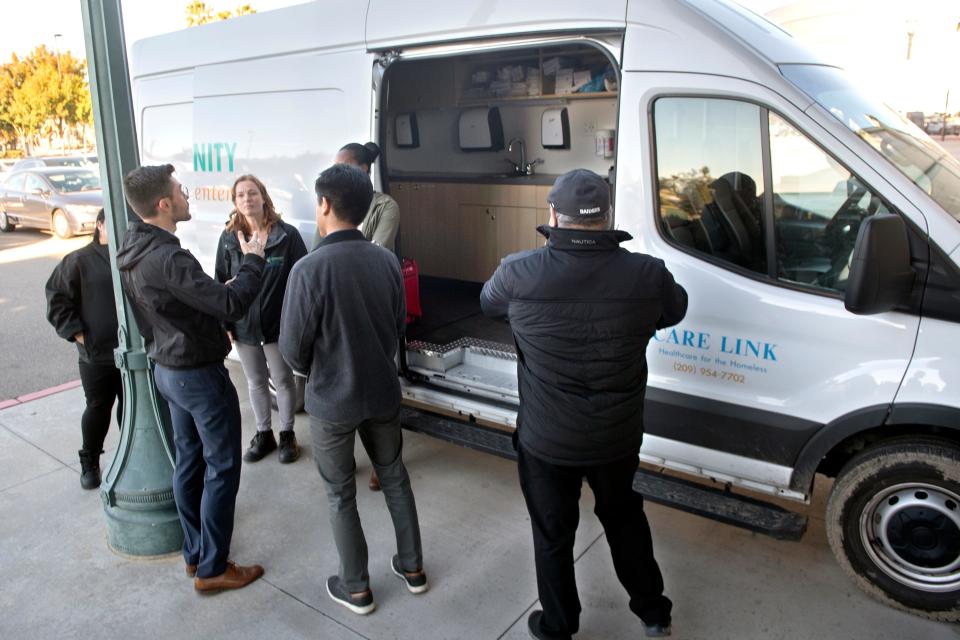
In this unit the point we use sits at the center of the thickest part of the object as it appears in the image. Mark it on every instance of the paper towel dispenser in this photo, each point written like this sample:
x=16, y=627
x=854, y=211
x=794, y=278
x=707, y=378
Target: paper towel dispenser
x=555, y=129
x=406, y=132
x=481, y=129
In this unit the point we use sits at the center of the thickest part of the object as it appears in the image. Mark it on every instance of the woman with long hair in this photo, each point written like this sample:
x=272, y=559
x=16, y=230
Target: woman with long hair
x=255, y=336
x=81, y=307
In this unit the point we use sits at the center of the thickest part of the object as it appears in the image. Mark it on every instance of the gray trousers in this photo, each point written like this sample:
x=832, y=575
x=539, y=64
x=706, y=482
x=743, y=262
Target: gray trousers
x=333, y=445
x=260, y=364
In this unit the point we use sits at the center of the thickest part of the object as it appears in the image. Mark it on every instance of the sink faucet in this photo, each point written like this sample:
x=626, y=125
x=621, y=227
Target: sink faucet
x=522, y=167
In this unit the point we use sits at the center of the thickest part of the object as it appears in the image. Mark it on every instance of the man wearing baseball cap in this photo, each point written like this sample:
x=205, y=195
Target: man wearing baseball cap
x=582, y=310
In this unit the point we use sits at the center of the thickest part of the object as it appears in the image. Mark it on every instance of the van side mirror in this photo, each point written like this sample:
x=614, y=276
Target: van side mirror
x=880, y=273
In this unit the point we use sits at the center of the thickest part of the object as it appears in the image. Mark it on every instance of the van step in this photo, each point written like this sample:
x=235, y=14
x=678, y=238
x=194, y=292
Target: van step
x=716, y=504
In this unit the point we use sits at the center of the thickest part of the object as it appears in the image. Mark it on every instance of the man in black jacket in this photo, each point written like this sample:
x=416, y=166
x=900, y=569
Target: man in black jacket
x=582, y=310
x=180, y=310
x=80, y=306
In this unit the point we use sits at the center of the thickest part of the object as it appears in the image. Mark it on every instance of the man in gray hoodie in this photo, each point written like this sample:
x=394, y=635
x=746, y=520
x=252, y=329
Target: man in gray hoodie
x=343, y=314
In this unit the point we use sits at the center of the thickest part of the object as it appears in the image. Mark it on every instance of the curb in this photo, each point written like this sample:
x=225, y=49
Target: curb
x=36, y=395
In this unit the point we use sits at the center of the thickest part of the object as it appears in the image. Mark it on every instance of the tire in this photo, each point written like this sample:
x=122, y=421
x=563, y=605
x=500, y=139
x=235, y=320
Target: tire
x=5, y=225
x=300, y=382
x=60, y=224
x=893, y=522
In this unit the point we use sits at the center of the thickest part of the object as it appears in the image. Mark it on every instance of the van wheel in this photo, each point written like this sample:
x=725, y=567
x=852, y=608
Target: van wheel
x=5, y=225
x=60, y=224
x=893, y=521
x=300, y=383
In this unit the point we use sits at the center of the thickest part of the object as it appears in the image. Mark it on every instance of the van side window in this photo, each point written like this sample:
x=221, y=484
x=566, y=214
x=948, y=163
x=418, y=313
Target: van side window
x=710, y=174
x=818, y=206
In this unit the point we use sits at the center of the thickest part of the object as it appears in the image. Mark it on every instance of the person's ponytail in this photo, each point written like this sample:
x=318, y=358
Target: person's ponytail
x=373, y=152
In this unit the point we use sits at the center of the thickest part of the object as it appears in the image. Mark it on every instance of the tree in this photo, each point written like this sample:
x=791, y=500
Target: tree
x=199, y=13
x=44, y=94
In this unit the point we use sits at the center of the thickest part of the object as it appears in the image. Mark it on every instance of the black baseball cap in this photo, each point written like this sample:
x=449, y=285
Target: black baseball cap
x=580, y=193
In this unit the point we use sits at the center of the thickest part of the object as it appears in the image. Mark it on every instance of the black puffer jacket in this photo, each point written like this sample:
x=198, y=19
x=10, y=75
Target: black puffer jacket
x=179, y=307
x=284, y=247
x=80, y=299
x=582, y=310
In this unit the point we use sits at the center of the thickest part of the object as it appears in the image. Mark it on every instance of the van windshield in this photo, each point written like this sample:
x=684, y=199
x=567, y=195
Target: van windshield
x=901, y=142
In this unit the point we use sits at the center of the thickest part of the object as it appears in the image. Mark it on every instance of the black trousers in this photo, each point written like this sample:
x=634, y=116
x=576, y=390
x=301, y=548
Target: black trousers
x=552, y=493
x=102, y=385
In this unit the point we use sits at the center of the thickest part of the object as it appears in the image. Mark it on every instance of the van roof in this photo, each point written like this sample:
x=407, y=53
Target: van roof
x=696, y=26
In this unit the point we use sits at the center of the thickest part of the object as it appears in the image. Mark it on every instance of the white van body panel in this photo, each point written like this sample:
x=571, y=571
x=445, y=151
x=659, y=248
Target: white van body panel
x=934, y=374
x=312, y=26
x=829, y=361
x=392, y=24
x=666, y=35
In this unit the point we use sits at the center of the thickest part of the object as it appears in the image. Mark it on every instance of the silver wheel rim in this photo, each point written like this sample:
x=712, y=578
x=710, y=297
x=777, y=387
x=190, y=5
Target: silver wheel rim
x=61, y=226
x=879, y=523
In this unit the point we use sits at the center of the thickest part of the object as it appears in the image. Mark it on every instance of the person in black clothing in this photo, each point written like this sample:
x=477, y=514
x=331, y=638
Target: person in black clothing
x=582, y=310
x=255, y=335
x=180, y=311
x=81, y=307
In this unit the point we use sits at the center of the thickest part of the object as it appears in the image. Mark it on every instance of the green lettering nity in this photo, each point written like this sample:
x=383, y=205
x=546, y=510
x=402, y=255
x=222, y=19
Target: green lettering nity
x=199, y=157
x=230, y=151
x=208, y=156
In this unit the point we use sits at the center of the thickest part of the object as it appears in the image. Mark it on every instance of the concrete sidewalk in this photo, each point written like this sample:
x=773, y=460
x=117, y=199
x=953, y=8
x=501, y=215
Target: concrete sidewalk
x=60, y=580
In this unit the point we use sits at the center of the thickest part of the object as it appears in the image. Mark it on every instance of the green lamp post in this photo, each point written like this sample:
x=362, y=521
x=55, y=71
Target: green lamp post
x=137, y=491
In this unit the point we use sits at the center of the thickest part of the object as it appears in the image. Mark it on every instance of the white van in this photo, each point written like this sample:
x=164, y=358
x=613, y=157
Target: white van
x=816, y=231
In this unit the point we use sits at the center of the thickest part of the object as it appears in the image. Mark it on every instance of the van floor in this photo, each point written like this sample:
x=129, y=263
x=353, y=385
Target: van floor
x=451, y=310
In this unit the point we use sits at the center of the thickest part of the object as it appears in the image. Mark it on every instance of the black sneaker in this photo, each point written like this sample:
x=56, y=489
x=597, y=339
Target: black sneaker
x=536, y=631
x=359, y=604
x=89, y=469
x=656, y=630
x=261, y=444
x=415, y=584
x=289, y=451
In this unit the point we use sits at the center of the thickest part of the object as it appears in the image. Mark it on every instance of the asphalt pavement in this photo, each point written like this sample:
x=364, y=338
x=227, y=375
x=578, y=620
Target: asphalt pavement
x=32, y=356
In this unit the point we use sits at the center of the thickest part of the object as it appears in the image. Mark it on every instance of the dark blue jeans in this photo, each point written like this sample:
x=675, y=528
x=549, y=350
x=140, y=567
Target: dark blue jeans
x=205, y=412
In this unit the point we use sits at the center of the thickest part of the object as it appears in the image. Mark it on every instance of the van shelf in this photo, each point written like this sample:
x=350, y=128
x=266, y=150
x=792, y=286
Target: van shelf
x=481, y=102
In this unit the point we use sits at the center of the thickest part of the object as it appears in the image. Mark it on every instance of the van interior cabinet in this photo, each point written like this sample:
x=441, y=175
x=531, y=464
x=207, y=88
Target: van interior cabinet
x=461, y=231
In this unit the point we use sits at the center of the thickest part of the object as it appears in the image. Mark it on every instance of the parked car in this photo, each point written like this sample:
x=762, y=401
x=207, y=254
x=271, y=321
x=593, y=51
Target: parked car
x=50, y=161
x=63, y=199
x=935, y=126
x=5, y=168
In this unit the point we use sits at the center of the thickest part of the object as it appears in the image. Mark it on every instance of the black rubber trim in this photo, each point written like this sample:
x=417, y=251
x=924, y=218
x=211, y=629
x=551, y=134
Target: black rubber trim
x=716, y=504
x=925, y=414
x=723, y=426
x=829, y=436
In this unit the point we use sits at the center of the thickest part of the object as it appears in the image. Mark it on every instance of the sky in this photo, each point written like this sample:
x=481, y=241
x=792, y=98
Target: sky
x=855, y=34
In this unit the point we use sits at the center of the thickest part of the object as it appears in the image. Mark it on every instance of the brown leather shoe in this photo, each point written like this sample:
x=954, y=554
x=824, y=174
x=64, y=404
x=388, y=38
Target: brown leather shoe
x=191, y=570
x=235, y=577
x=374, y=483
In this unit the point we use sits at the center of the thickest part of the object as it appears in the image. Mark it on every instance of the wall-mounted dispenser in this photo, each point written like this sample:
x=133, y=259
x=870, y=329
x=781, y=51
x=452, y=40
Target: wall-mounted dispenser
x=481, y=129
x=555, y=129
x=406, y=132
